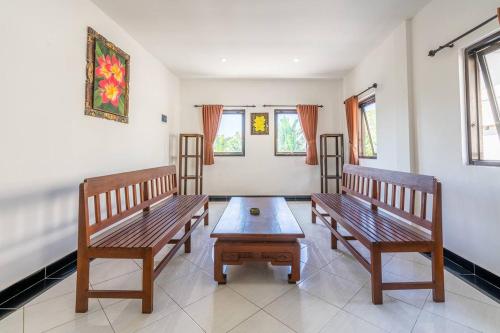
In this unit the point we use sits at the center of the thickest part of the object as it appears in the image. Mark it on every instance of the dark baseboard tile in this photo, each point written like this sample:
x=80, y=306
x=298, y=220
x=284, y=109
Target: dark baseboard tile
x=478, y=277
x=23, y=291
x=287, y=197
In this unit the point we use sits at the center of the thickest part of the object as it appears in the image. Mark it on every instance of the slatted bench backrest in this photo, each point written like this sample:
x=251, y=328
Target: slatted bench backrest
x=416, y=198
x=107, y=200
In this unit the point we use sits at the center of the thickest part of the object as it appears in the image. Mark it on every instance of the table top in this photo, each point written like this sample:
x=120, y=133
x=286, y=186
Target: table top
x=275, y=221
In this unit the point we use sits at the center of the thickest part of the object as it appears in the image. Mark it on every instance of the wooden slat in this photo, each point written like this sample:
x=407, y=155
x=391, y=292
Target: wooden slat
x=412, y=201
x=115, y=294
x=118, y=200
x=423, y=205
x=97, y=208
x=393, y=195
x=407, y=285
x=108, y=205
x=127, y=197
x=134, y=193
x=402, y=197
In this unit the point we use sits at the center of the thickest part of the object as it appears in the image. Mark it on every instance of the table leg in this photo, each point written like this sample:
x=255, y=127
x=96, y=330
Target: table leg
x=219, y=275
x=294, y=276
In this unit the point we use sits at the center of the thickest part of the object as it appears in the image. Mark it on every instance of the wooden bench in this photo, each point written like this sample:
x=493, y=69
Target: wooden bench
x=386, y=211
x=144, y=229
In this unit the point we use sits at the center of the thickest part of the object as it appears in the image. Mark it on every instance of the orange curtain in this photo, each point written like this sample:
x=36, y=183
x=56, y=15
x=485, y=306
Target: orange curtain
x=212, y=115
x=308, y=116
x=351, y=110
x=498, y=14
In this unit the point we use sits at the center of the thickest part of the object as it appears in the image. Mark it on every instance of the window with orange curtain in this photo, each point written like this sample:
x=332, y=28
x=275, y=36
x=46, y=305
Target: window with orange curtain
x=368, y=128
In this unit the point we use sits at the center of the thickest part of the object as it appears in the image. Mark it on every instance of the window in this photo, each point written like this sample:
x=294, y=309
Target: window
x=288, y=136
x=482, y=77
x=368, y=128
x=230, y=139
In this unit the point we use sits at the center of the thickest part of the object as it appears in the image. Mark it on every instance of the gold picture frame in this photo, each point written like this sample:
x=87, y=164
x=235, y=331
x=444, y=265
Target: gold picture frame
x=259, y=123
x=107, y=82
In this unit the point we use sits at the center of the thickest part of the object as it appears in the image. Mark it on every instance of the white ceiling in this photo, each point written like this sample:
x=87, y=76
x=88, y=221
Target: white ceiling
x=259, y=38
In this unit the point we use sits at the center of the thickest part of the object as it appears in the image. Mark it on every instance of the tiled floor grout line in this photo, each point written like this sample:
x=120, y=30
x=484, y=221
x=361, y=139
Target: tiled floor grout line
x=182, y=309
x=106, y=315
x=452, y=320
x=447, y=290
x=416, y=321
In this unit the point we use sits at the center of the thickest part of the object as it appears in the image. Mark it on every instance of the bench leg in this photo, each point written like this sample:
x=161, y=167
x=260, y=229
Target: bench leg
x=147, y=283
x=376, y=276
x=187, y=243
x=333, y=238
x=438, y=274
x=82, y=283
x=313, y=216
x=205, y=222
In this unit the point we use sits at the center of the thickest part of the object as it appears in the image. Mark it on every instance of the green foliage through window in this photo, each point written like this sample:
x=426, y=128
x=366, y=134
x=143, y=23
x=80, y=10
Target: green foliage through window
x=288, y=134
x=229, y=139
x=368, y=129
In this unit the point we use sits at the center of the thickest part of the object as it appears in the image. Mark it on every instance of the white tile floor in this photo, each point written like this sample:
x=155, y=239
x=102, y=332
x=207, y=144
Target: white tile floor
x=332, y=296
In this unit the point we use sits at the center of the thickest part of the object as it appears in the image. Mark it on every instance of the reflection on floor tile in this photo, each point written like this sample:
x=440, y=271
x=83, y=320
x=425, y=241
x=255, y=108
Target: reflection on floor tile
x=466, y=311
x=95, y=322
x=344, y=322
x=221, y=311
x=301, y=311
x=261, y=283
x=13, y=323
x=331, y=288
x=54, y=312
x=263, y=323
x=175, y=322
x=111, y=268
x=126, y=315
x=191, y=289
x=431, y=323
x=393, y=315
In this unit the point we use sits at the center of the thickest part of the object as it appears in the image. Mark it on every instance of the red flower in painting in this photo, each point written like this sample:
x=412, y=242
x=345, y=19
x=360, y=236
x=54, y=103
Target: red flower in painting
x=118, y=70
x=103, y=70
x=110, y=91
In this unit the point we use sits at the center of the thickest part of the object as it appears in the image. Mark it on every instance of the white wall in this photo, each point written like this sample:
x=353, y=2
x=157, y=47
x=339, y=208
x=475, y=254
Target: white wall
x=387, y=65
x=47, y=143
x=471, y=194
x=260, y=172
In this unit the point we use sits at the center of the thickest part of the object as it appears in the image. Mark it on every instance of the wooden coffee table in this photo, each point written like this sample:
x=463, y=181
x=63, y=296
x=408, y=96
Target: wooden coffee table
x=271, y=236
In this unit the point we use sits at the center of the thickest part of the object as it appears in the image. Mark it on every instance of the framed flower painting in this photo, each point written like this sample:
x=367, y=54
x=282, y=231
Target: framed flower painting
x=259, y=123
x=106, y=94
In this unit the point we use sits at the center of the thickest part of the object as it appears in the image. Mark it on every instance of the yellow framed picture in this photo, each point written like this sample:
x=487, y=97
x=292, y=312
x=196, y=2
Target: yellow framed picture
x=259, y=123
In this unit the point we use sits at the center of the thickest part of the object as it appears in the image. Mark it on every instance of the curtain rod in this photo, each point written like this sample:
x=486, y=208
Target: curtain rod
x=283, y=106
x=373, y=86
x=231, y=106
x=451, y=43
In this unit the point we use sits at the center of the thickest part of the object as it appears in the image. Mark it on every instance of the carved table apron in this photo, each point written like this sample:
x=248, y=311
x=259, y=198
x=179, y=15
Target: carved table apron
x=270, y=237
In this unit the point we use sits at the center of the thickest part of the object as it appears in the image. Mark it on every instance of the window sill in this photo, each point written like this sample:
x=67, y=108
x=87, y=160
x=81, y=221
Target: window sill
x=485, y=163
x=367, y=157
x=292, y=154
x=229, y=154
